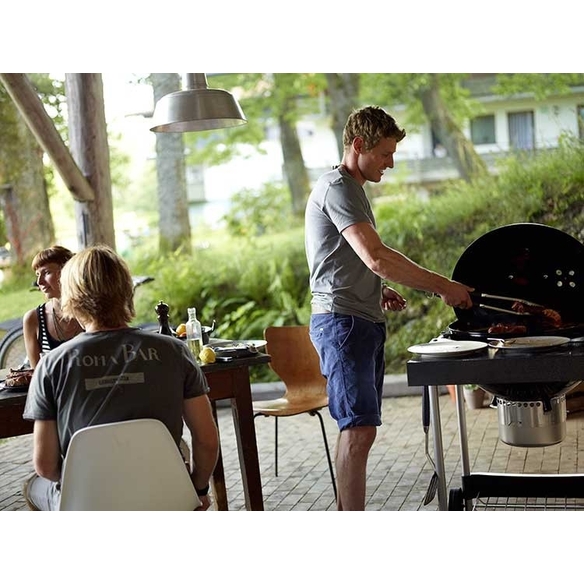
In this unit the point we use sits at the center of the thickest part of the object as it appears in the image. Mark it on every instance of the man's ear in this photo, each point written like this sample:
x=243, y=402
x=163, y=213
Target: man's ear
x=358, y=144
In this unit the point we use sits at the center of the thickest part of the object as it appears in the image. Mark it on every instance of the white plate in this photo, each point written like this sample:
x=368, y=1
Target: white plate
x=447, y=348
x=259, y=344
x=524, y=343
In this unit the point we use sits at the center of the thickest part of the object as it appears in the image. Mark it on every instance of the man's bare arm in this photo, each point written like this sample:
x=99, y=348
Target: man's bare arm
x=46, y=450
x=393, y=265
x=205, y=439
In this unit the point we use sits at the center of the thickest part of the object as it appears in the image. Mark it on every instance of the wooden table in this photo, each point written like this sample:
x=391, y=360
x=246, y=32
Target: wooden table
x=231, y=381
x=227, y=381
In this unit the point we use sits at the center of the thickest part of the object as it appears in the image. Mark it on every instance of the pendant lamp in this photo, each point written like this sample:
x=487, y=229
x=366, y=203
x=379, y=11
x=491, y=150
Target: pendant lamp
x=197, y=108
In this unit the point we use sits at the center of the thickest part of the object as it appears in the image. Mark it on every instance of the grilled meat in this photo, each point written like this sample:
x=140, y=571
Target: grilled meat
x=499, y=328
x=551, y=318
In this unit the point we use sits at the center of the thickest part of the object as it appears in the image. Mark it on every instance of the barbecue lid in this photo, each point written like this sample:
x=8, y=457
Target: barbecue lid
x=531, y=261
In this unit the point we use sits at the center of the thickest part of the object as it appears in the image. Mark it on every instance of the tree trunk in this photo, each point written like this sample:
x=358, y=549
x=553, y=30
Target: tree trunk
x=173, y=206
x=90, y=150
x=468, y=163
x=343, y=90
x=294, y=167
x=23, y=194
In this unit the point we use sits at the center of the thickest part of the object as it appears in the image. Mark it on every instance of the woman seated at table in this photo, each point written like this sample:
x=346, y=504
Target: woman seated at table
x=45, y=327
x=111, y=373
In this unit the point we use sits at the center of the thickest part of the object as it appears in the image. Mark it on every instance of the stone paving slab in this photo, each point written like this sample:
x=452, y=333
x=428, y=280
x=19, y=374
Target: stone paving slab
x=398, y=472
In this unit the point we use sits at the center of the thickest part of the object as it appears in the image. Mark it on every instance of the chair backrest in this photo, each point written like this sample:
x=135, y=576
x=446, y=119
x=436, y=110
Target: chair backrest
x=133, y=465
x=295, y=360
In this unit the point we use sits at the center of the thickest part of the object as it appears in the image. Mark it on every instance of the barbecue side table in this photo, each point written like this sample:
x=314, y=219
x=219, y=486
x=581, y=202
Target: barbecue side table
x=490, y=366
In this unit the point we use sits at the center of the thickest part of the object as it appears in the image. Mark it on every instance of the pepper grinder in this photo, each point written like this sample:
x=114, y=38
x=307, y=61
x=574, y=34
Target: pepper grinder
x=162, y=313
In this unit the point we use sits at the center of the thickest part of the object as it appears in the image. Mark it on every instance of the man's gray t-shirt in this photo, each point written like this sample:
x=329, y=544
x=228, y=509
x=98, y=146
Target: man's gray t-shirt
x=339, y=280
x=111, y=376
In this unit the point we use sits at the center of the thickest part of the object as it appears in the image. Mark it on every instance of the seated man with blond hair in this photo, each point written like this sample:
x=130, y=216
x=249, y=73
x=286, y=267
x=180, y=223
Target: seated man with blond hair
x=110, y=373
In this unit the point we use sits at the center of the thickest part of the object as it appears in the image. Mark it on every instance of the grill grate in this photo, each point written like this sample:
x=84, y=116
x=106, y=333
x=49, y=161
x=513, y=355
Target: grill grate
x=526, y=504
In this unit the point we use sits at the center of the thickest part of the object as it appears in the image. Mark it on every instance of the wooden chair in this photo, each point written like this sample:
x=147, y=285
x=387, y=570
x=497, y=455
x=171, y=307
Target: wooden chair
x=296, y=362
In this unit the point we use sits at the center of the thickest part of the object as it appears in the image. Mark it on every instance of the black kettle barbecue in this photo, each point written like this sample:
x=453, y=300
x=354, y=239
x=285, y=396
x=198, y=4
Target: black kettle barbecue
x=519, y=271
x=529, y=372
x=534, y=263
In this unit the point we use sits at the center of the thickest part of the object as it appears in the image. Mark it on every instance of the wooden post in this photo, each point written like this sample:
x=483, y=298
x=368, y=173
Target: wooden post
x=89, y=147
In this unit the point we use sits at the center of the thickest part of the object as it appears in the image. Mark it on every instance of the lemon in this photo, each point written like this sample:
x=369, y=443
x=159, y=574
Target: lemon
x=207, y=355
x=181, y=329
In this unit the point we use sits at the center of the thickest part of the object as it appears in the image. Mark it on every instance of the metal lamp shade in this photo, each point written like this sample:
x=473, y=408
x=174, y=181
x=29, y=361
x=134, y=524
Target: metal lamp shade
x=197, y=108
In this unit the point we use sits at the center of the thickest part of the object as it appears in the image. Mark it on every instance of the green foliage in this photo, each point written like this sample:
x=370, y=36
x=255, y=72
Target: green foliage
x=547, y=188
x=52, y=94
x=248, y=283
x=220, y=146
x=11, y=160
x=541, y=85
x=17, y=293
x=256, y=213
x=398, y=89
x=12, y=156
x=551, y=186
x=221, y=278
x=261, y=102
x=242, y=285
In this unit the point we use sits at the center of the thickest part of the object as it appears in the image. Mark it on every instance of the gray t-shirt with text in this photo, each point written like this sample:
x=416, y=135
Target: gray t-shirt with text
x=111, y=376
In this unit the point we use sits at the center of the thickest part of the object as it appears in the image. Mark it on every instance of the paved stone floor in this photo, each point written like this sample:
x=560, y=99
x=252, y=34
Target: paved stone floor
x=398, y=472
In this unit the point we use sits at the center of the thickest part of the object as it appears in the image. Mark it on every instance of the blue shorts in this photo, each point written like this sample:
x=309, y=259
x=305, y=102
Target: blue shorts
x=351, y=351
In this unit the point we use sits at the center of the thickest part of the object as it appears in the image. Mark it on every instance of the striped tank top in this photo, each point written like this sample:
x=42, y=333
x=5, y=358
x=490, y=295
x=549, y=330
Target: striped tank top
x=46, y=341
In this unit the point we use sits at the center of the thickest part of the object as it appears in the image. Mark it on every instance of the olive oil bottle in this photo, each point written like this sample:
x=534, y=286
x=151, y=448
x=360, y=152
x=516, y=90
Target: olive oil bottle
x=194, y=333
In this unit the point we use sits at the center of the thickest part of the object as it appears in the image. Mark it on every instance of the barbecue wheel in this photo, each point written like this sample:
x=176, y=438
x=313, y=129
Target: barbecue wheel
x=455, y=500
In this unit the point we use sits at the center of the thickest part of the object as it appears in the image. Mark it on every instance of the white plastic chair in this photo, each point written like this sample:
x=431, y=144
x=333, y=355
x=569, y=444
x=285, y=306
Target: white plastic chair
x=126, y=466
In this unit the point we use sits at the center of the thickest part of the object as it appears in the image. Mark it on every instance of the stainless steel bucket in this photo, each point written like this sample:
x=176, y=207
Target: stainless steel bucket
x=530, y=424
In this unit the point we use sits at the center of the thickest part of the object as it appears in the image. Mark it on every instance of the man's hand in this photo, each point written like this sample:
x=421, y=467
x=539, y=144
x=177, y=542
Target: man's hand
x=456, y=295
x=205, y=503
x=391, y=299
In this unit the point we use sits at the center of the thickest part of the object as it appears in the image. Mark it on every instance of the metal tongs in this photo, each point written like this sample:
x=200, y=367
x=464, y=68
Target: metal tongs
x=479, y=295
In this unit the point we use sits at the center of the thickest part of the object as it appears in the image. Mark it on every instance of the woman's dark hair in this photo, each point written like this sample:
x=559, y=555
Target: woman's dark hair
x=56, y=254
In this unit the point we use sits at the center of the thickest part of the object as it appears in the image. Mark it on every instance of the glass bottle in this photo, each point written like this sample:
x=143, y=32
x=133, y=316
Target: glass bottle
x=194, y=333
x=162, y=313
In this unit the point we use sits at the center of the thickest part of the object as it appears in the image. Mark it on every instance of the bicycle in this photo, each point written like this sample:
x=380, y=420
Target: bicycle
x=13, y=350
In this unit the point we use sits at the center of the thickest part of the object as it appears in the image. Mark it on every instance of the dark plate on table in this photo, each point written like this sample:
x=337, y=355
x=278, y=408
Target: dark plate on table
x=234, y=349
x=17, y=389
x=228, y=344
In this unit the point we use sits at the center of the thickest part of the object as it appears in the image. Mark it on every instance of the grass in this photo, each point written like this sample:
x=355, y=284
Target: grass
x=15, y=302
